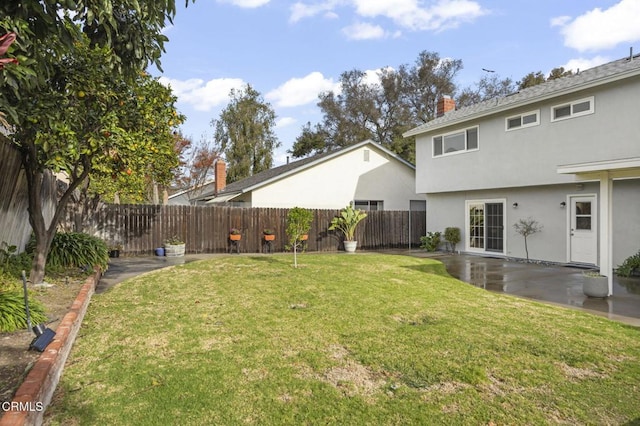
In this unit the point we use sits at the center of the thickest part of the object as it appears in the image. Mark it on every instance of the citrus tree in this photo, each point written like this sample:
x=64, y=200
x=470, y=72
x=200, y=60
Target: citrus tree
x=66, y=95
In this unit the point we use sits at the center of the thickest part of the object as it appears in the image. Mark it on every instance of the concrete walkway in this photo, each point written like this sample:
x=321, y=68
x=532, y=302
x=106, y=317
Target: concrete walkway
x=556, y=284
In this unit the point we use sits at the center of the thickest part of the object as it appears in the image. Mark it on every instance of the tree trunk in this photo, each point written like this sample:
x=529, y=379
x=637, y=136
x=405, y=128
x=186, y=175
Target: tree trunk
x=43, y=234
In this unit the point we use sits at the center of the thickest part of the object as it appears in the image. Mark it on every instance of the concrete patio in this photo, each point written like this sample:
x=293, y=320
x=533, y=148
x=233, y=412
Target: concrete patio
x=556, y=284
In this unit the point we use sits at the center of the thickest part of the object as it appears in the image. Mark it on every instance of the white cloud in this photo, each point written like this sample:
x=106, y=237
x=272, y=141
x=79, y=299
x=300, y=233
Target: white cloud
x=300, y=91
x=409, y=14
x=560, y=21
x=285, y=122
x=203, y=96
x=301, y=10
x=364, y=31
x=249, y=4
x=603, y=29
x=583, y=64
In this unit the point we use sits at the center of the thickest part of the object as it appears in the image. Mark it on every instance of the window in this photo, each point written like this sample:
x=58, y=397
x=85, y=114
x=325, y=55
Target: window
x=573, y=109
x=462, y=141
x=368, y=205
x=527, y=119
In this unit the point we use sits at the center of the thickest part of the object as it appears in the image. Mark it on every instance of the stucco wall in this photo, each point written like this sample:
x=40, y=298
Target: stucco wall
x=530, y=156
x=334, y=183
x=542, y=203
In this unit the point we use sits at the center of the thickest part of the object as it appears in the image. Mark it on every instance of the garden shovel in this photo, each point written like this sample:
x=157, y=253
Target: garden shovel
x=44, y=335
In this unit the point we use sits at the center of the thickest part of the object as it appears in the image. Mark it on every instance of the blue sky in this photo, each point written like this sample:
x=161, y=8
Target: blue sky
x=291, y=51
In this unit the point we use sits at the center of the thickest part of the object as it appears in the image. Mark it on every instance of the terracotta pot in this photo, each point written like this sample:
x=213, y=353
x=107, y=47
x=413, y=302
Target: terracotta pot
x=235, y=237
x=304, y=237
x=269, y=237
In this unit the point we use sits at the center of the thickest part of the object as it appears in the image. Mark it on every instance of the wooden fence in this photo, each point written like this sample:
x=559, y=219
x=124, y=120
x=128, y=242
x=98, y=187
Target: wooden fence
x=205, y=229
x=14, y=198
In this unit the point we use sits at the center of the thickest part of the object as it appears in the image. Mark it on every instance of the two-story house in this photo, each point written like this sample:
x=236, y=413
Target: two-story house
x=565, y=153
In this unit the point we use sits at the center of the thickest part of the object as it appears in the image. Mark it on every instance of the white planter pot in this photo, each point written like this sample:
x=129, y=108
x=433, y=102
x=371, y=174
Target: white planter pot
x=174, y=250
x=350, y=246
x=595, y=286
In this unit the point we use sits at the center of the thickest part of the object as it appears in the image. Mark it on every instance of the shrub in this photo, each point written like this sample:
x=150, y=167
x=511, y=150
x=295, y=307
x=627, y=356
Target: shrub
x=75, y=249
x=11, y=264
x=431, y=241
x=12, y=311
x=630, y=265
x=452, y=236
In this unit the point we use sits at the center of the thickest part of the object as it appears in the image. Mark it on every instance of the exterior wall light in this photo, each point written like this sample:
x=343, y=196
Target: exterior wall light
x=515, y=205
x=563, y=205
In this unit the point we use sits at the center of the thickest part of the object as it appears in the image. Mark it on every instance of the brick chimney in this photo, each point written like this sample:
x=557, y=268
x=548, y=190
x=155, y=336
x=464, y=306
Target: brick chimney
x=445, y=104
x=220, y=175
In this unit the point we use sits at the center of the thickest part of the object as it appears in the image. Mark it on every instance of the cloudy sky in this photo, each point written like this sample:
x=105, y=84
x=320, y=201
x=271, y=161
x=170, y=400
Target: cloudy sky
x=291, y=51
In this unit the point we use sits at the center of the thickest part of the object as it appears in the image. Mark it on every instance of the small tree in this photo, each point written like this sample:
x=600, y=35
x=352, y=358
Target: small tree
x=526, y=228
x=298, y=224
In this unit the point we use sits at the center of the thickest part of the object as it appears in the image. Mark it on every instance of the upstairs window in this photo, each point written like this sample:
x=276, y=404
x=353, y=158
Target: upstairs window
x=521, y=121
x=456, y=142
x=573, y=109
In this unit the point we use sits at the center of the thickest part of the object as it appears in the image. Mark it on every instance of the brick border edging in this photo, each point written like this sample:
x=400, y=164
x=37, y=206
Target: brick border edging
x=37, y=388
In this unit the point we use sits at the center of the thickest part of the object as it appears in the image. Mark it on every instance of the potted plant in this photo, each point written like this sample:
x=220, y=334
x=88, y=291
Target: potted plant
x=114, y=250
x=595, y=285
x=268, y=234
x=234, y=234
x=174, y=247
x=346, y=222
x=452, y=236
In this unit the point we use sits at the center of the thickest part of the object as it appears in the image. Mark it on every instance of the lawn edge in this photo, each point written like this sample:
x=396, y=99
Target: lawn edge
x=35, y=393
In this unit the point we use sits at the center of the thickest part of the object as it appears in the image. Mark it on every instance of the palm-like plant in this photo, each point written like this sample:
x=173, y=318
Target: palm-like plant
x=347, y=222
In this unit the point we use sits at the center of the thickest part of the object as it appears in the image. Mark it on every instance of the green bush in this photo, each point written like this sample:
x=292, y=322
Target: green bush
x=431, y=241
x=630, y=265
x=74, y=249
x=11, y=264
x=12, y=312
x=452, y=236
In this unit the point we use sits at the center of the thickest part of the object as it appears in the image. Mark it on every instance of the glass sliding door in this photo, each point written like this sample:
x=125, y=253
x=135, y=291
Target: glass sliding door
x=485, y=226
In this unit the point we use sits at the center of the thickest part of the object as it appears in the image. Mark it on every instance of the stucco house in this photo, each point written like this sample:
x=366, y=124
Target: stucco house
x=367, y=174
x=565, y=153
x=193, y=196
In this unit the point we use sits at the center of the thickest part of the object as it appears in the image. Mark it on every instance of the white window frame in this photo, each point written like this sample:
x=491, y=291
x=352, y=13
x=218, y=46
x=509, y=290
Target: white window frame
x=591, y=110
x=468, y=247
x=462, y=151
x=521, y=116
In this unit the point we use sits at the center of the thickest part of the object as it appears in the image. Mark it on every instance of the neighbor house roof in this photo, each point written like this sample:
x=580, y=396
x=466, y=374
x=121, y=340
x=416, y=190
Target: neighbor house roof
x=593, y=77
x=268, y=176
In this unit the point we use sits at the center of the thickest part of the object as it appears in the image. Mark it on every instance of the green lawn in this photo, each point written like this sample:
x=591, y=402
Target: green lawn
x=343, y=339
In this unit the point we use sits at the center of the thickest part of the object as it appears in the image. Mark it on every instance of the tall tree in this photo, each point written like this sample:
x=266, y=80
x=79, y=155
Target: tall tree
x=245, y=133
x=58, y=101
x=380, y=110
x=488, y=87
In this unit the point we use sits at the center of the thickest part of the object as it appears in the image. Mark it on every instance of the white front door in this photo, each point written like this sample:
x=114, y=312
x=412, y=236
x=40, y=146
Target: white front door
x=583, y=232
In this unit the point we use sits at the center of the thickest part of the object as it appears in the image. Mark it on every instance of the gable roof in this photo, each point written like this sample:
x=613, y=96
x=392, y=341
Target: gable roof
x=274, y=174
x=593, y=77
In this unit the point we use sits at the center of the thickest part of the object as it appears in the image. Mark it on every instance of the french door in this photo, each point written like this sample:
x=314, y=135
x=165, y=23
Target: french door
x=485, y=226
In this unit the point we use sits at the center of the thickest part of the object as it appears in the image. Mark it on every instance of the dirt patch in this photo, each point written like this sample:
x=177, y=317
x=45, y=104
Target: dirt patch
x=15, y=357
